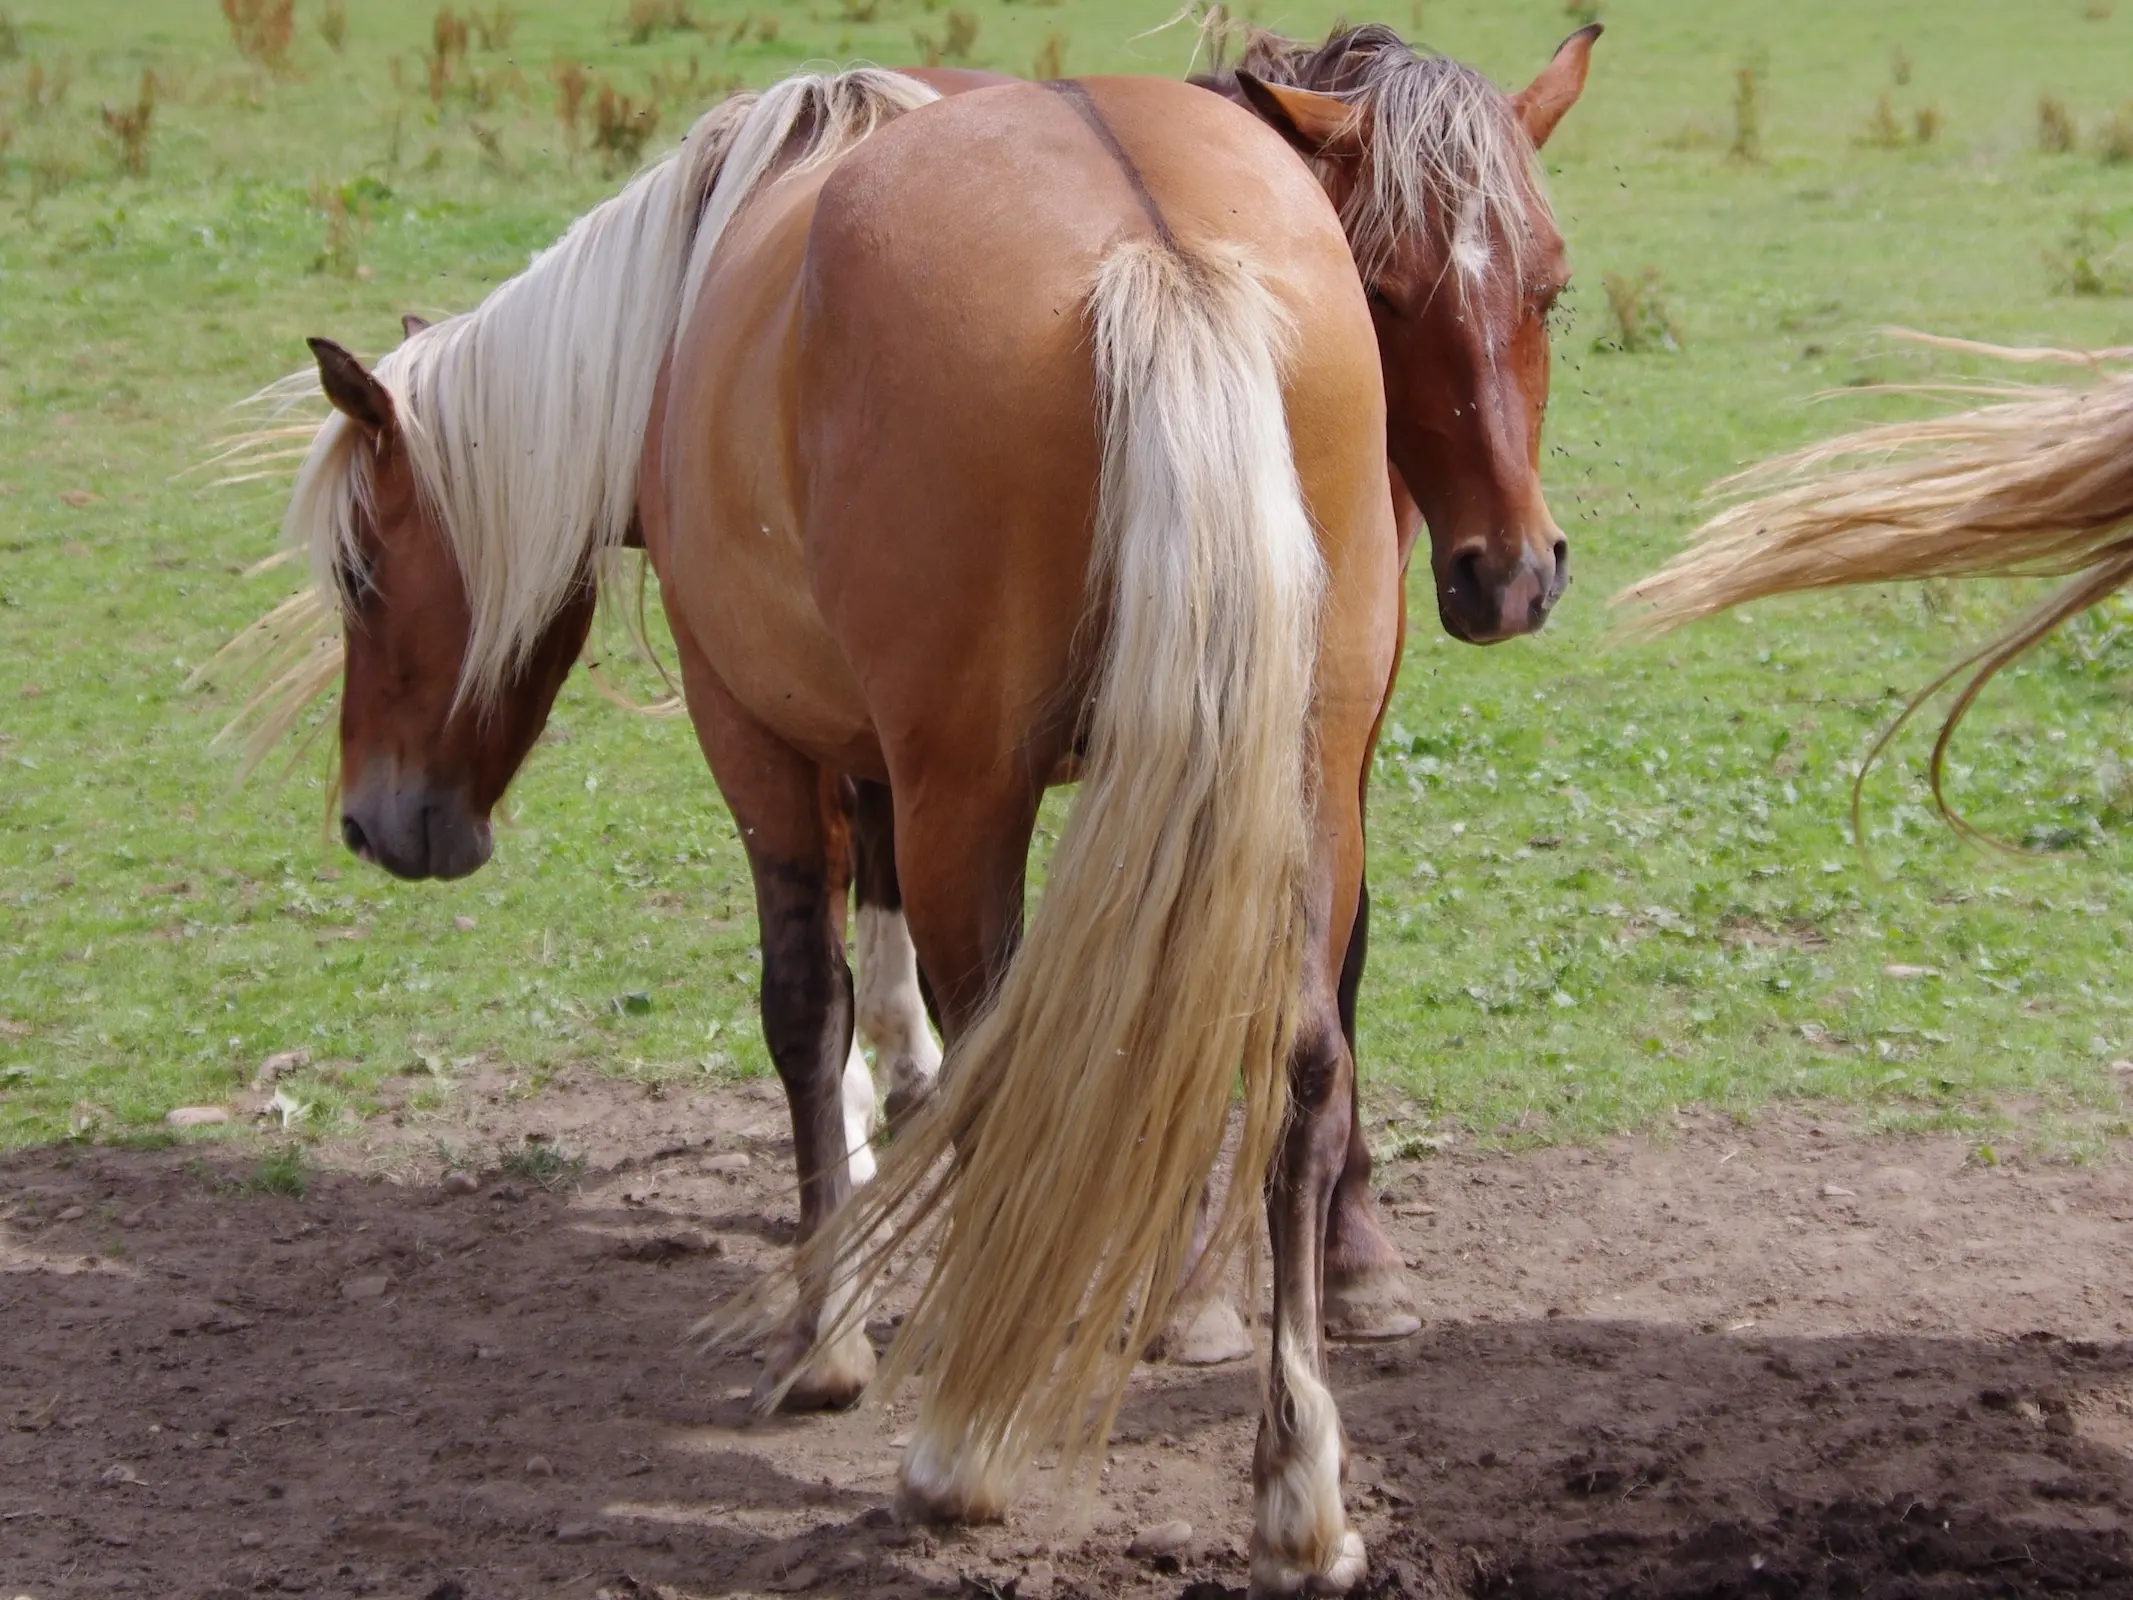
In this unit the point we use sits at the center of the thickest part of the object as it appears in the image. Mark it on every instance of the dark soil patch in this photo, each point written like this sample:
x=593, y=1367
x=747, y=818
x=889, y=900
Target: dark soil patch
x=1778, y=1362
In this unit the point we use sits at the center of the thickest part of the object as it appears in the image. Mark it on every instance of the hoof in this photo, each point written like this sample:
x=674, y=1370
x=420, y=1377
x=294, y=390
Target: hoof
x=833, y=1381
x=1274, y=1575
x=1206, y=1334
x=937, y=1490
x=1377, y=1305
x=908, y=1090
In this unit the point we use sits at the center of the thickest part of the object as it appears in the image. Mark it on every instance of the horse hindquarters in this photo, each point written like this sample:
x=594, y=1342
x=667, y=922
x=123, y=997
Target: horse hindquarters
x=1088, y=1099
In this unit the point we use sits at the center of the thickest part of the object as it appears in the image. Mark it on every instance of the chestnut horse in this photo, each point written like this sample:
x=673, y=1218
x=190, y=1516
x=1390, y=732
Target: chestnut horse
x=936, y=539
x=1454, y=422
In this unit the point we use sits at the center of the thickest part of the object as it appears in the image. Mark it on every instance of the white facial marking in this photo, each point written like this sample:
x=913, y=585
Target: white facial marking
x=1470, y=254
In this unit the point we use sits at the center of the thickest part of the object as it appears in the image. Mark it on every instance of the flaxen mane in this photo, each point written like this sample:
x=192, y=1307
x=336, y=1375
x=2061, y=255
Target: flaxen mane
x=524, y=419
x=1444, y=148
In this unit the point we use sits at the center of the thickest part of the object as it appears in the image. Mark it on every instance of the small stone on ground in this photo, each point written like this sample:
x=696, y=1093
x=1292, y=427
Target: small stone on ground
x=1164, y=1539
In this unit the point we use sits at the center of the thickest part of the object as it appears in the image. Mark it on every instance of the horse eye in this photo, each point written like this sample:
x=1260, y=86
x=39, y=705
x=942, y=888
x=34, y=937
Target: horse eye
x=349, y=576
x=1383, y=301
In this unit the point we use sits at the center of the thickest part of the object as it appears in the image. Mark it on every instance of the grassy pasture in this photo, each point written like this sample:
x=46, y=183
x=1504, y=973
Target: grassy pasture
x=1609, y=880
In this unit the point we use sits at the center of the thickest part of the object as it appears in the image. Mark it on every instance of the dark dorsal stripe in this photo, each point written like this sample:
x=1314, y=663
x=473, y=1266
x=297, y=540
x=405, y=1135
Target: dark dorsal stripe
x=1077, y=96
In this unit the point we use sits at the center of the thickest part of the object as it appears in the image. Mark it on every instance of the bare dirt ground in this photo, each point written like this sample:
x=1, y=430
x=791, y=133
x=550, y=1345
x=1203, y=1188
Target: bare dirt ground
x=1780, y=1361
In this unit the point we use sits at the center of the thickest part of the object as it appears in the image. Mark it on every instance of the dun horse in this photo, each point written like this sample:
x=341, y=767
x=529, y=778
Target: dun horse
x=1043, y=429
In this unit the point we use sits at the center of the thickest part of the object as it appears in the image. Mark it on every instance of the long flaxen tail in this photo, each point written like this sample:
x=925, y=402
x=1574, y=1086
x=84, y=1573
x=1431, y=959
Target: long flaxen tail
x=2037, y=485
x=1087, y=1107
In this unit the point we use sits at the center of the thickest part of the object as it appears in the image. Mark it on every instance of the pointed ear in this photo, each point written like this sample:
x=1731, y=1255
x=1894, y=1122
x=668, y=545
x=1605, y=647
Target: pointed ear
x=354, y=392
x=1316, y=124
x=410, y=324
x=1544, y=101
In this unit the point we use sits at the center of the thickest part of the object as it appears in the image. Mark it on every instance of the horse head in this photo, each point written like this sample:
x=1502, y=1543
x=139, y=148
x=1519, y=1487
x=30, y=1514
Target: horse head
x=1433, y=171
x=423, y=761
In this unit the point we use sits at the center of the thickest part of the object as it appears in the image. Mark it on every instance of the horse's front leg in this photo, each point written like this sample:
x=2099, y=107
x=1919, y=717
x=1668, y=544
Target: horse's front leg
x=892, y=1004
x=790, y=819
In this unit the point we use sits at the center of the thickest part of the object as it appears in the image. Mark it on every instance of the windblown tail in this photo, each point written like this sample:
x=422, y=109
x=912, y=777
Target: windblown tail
x=1089, y=1104
x=2040, y=485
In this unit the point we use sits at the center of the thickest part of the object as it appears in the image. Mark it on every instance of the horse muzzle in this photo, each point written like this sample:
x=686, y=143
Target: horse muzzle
x=1482, y=602
x=415, y=833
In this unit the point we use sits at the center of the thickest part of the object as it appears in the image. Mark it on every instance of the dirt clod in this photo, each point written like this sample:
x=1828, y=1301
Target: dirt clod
x=668, y=1245
x=1163, y=1539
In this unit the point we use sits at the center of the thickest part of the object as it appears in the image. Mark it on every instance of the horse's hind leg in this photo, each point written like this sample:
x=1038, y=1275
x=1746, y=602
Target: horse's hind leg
x=1368, y=1295
x=962, y=850
x=798, y=852
x=892, y=1005
x=1301, y=1541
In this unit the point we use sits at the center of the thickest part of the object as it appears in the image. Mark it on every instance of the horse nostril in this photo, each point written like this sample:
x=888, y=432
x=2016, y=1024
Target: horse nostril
x=352, y=834
x=1465, y=579
x=1562, y=561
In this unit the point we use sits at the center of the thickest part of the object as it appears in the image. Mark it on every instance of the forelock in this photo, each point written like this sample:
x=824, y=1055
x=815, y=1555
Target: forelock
x=1445, y=156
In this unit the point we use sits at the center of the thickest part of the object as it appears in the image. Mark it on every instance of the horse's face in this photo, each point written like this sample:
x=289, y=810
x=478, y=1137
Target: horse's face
x=421, y=767
x=1463, y=334
x=1466, y=362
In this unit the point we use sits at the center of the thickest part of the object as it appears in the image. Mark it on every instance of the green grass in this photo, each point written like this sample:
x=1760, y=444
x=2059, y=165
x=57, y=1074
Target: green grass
x=1609, y=882
x=283, y=1171
x=541, y=1164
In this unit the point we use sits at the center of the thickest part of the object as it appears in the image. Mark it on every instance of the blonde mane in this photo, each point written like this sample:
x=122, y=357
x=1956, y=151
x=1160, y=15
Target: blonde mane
x=524, y=418
x=1444, y=148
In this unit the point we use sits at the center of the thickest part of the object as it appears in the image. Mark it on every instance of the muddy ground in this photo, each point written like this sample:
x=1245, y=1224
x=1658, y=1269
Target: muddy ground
x=1784, y=1360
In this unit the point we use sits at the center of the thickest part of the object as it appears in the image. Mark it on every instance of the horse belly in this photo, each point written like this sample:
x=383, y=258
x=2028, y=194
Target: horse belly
x=741, y=583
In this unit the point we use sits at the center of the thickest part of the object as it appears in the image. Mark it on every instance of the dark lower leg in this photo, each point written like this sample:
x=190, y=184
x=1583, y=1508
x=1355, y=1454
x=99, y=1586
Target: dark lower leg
x=1300, y=1535
x=1368, y=1295
x=807, y=1024
x=790, y=818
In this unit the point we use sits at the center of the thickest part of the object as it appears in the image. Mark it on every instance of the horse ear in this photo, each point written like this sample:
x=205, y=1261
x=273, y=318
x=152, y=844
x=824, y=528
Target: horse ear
x=410, y=324
x=1318, y=125
x=354, y=393
x=1544, y=101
